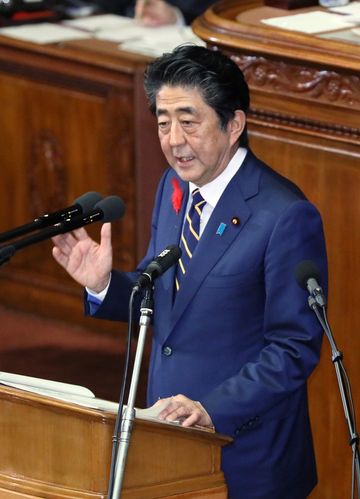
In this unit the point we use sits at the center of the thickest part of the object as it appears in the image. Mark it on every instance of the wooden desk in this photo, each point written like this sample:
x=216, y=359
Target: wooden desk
x=305, y=122
x=73, y=119
x=55, y=449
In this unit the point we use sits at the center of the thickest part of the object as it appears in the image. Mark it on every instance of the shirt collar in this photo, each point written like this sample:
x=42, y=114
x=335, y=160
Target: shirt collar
x=213, y=191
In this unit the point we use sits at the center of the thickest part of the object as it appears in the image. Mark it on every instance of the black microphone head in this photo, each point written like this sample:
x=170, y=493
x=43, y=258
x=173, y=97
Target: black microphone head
x=112, y=208
x=168, y=257
x=88, y=200
x=304, y=271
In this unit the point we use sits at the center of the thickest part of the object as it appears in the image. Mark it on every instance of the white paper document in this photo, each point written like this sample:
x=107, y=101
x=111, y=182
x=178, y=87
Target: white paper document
x=133, y=31
x=100, y=22
x=74, y=394
x=310, y=22
x=43, y=33
x=155, y=44
x=125, y=31
x=352, y=8
x=133, y=37
x=347, y=35
x=30, y=383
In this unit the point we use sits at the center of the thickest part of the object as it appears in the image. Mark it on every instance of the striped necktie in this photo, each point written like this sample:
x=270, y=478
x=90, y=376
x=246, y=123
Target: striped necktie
x=190, y=235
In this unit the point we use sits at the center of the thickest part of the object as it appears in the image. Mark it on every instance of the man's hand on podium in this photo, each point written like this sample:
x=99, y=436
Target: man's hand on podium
x=189, y=412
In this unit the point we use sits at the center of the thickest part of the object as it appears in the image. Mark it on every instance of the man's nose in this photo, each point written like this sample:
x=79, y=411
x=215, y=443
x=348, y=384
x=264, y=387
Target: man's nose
x=176, y=135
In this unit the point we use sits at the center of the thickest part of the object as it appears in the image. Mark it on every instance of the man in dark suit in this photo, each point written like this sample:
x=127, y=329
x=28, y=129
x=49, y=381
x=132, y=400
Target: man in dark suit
x=158, y=12
x=233, y=346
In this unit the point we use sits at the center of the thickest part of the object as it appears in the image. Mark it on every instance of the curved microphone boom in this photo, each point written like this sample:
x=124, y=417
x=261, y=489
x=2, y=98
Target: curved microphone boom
x=166, y=259
x=307, y=276
x=106, y=210
x=82, y=204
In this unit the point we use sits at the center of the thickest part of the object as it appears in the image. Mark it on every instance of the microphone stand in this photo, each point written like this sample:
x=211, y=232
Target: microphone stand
x=344, y=387
x=127, y=422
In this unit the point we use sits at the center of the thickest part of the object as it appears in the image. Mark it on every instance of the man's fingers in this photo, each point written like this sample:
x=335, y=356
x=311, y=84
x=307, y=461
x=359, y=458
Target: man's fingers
x=191, y=420
x=79, y=234
x=64, y=242
x=189, y=412
x=178, y=409
x=163, y=402
x=173, y=413
x=106, y=235
x=60, y=257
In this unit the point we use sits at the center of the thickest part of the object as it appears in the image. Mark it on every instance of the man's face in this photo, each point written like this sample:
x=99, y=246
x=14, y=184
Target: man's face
x=190, y=134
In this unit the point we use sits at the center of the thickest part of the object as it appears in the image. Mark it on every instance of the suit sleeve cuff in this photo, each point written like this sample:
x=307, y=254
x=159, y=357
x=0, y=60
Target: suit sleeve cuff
x=95, y=299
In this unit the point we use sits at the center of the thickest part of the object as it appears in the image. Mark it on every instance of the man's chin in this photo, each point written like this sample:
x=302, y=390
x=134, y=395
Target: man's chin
x=187, y=174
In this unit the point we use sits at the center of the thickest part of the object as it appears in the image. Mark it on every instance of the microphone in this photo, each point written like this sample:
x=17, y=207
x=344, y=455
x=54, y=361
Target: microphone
x=106, y=210
x=82, y=204
x=166, y=259
x=307, y=276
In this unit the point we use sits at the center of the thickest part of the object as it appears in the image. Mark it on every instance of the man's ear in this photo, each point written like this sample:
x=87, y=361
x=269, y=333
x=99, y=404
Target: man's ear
x=237, y=125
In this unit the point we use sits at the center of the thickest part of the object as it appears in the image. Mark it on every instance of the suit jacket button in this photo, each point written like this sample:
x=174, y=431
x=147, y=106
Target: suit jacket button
x=167, y=351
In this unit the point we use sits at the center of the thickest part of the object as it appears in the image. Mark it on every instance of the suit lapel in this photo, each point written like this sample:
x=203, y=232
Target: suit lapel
x=231, y=210
x=171, y=234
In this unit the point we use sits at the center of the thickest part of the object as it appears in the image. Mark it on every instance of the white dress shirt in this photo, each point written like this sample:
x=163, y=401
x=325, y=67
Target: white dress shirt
x=213, y=191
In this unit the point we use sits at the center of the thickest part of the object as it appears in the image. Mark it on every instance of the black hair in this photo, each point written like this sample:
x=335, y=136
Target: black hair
x=219, y=80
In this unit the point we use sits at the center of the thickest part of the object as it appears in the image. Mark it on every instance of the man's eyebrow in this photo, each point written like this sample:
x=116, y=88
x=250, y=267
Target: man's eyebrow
x=179, y=110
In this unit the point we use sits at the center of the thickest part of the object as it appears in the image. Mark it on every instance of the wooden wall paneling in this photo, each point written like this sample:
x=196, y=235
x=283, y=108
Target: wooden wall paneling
x=68, y=127
x=313, y=166
x=62, y=155
x=328, y=171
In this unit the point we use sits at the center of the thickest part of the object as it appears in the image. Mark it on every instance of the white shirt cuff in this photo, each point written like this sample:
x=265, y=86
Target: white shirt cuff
x=100, y=296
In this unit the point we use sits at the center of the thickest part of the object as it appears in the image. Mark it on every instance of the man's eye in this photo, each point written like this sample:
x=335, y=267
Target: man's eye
x=163, y=124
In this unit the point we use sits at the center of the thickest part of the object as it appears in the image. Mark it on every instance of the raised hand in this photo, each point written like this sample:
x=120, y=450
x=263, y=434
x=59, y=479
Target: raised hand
x=86, y=261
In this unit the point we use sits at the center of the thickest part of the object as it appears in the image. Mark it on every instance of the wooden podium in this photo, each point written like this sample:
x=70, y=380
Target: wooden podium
x=55, y=449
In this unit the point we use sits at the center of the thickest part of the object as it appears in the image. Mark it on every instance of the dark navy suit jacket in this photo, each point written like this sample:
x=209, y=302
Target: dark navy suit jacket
x=240, y=337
